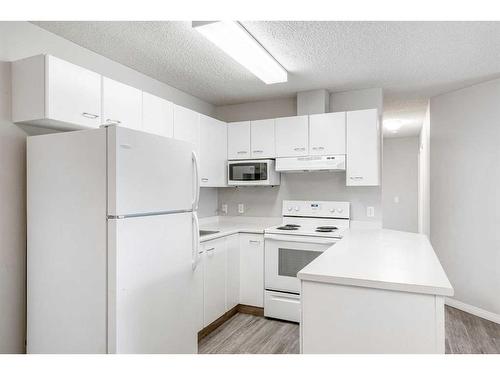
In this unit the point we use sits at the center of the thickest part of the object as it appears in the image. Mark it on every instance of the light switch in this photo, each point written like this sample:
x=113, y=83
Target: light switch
x=241, y=208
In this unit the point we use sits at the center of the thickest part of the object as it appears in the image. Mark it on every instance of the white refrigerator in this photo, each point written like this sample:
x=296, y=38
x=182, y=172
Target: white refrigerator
x=113, y=242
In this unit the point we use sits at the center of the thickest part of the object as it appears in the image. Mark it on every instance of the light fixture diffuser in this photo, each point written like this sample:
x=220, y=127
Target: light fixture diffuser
x=233, y=39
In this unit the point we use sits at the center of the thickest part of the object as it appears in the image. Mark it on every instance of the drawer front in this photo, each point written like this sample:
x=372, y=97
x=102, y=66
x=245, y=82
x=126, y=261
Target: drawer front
x=282, y=306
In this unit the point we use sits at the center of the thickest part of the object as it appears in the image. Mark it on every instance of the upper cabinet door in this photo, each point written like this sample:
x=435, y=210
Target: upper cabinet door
x=327, y=133
x=121, y=104
x=238, y=136
x=292, y=136
x=263, y=139
x=157, y=115
x=213, y=152
x=187, y=126
x=73, y=94
x=363, y=148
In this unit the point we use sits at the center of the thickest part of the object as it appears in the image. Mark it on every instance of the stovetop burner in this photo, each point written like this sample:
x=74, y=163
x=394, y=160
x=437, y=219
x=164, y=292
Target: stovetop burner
x=326, y=229
x=289, y=227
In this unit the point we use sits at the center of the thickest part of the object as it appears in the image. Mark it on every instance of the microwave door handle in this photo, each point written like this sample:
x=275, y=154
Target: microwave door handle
x=287, y=238
x=197, y=183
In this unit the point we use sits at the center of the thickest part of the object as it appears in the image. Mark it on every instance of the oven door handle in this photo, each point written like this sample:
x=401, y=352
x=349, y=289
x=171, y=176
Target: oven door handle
x=304, y=239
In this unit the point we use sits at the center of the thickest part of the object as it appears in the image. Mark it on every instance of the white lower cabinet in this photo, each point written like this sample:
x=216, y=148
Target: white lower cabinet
x=252, y=269
x=214, y=272
x=232, y=271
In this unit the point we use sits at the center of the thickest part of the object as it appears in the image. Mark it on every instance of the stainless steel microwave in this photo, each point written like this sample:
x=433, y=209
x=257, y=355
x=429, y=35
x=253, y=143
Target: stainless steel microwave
x=252, y=172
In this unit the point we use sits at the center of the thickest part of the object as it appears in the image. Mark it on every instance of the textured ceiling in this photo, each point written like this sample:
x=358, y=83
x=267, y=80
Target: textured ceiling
x=411, y=61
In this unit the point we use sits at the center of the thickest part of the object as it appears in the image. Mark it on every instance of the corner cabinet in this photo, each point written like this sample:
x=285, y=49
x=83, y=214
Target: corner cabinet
x=292, y=136
x=214, y=272
x=363, y=148
x=54, y=93
x=213, y=152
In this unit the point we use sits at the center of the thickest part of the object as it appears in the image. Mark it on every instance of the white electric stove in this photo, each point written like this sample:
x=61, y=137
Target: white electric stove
x=308, y=228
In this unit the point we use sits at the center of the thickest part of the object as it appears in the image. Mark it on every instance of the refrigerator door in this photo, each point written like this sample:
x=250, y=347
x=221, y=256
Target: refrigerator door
x=149, y=173
x=153, y=289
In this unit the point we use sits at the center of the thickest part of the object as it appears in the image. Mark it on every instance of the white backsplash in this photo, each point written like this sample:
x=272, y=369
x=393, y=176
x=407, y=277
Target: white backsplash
x=266, y=201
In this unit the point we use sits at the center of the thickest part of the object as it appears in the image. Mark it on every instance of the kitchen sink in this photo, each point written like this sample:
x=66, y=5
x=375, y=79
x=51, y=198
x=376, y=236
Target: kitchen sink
x=207, y=232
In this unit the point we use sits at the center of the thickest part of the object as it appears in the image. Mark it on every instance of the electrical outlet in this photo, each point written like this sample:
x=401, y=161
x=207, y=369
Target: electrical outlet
x=241, y=208
x=224, y=209
x=370, y=211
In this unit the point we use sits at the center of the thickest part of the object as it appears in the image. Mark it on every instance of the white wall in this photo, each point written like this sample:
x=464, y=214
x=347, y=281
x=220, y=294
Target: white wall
x=400, y=184
x=357, y=99
x=464, y=191
x=12, y=224
x=257, y=110
x=19, y=40
x=266, y=201
x=424, y=176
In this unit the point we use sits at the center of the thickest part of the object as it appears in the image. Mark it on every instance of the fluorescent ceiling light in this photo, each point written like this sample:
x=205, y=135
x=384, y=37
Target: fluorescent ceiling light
x=232, y=38
x=393, y=125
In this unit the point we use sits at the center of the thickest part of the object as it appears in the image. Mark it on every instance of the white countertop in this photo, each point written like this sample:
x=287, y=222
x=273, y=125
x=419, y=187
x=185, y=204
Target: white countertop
x=383, y=259
x=228, y=225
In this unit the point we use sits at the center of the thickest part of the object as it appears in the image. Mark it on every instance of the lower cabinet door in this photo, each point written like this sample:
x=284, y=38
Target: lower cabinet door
x=252, y=269
x=232, y=271
x=214, y=271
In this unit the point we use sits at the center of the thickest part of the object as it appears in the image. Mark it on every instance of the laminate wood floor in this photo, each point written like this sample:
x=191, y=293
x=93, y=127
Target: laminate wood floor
x=249, y=334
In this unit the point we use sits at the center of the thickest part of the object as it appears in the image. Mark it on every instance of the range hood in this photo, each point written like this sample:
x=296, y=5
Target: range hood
x=311, y=163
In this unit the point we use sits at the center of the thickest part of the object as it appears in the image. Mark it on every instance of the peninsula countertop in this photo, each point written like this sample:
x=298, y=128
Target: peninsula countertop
x=382, y=259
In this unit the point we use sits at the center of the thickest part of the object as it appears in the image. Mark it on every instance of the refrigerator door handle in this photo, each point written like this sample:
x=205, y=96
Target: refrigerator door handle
x=196, y=241
x=197, y=181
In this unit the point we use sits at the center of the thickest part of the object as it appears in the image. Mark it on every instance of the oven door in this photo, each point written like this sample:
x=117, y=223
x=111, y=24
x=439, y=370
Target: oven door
x=286, y=255
x=248, y=172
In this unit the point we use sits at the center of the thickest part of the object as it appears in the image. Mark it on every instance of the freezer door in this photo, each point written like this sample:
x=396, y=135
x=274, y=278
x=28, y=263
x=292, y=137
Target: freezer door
x=148, y=173
x=153, y=289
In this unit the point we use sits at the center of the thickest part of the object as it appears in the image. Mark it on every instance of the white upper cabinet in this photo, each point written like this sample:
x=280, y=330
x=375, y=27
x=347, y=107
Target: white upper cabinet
x=238, y=136
x=187, y=126
x=157, y=115
x=54, y=93
x=363, y=148
x=292, y=136
x=121, y=104
x=262, y=139
x=327, y=133
x=213, y=152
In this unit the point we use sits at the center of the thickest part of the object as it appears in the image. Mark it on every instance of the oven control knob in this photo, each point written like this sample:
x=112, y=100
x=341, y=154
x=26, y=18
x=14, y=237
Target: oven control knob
x=340, y=210
x=290, y=208
x=297, y=208
x=332, y=210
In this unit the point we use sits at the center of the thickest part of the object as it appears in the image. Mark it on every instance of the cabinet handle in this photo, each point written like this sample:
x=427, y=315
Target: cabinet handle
x=299, y=148
x=109, y=121
x=89, y=115
x=241, y=152
x=356, y=178
x=257, y=151
x=204, y=179
x=318, y=148
x=211, y=249
x=254, y=241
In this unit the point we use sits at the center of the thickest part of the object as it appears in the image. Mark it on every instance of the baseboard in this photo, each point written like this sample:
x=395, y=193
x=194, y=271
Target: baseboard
x=477, y=311
x=245, y=309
